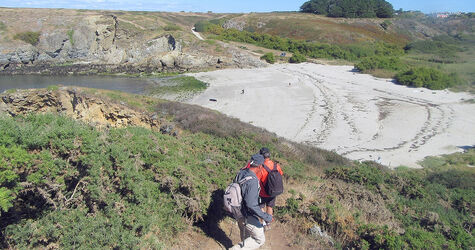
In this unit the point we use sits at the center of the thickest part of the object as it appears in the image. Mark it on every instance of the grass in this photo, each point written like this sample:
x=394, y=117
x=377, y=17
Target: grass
x=327, y=30
x=184, y=85
x=52, y=87
x=448, y=54
x=70, y=34
x=171, y=27
x=29, y=37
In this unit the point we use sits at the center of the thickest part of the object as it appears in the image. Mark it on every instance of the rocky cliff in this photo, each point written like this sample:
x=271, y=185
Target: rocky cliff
x=89, y=42
x=78, y=104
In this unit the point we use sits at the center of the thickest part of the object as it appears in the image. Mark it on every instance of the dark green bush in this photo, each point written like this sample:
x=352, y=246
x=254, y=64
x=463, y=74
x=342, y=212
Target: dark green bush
x=385, y=25
x=427, y=78
x=379, y=62
x=269, y=57
x=29, y=37
x=297, y=58
x=349, y=8
x=202, y=26
x=171, y=27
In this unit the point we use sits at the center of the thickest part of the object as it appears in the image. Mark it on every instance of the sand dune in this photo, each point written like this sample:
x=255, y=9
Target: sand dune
x=356, y=115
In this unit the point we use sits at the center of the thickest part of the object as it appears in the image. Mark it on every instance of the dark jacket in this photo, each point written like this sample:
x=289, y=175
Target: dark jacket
x=250, y=195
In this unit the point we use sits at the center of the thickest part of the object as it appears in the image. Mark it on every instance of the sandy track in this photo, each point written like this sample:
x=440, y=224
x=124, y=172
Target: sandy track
x=356, y=115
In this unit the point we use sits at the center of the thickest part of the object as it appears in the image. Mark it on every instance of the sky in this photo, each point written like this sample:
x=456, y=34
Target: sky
x=226, y=6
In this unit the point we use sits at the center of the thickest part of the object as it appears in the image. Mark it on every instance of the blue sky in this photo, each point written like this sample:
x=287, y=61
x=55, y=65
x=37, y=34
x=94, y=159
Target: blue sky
x=221, y=6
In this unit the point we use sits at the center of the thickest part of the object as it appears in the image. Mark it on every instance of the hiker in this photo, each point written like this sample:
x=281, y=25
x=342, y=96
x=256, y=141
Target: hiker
x=251, y=229
x=242, y=91
x=267, y=201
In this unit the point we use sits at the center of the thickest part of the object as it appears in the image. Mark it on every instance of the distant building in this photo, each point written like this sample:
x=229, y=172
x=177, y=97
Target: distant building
x=442, y=15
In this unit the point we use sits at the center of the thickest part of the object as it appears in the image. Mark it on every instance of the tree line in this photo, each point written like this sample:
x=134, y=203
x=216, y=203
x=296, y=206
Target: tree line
x=349, y=8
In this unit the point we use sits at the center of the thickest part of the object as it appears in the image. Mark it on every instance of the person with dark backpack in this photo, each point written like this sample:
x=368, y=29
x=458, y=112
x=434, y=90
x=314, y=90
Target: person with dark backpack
x=271, y=184
x=251, y=229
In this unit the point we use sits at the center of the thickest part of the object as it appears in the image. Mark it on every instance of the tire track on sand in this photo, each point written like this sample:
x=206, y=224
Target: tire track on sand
x=328, y=119
x=437, y=121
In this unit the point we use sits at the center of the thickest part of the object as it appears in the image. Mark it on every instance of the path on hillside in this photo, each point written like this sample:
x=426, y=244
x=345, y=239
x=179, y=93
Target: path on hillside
x=130, y=22
x=356, y=115
x=196, y=33
x=276, y=239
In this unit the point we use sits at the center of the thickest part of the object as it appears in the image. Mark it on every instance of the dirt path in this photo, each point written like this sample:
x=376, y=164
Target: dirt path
x=276, y=239
x=196, y=34
x=356, y=115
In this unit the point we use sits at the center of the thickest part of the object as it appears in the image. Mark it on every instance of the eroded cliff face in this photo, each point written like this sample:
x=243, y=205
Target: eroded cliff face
x=80, y=105
x=103, y=42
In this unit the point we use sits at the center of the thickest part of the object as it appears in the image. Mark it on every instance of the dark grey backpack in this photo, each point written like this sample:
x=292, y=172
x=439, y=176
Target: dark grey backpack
x=274, y=185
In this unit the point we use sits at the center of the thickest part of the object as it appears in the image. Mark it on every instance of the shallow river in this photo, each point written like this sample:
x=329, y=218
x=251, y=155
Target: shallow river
x=125, y=84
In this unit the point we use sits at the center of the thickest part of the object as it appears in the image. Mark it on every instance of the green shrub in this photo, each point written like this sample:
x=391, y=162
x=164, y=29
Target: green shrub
x=427, y=78
x=297, y=58
x=70, y=34
x=29, y=37
x=180, y=84
x=207, y=25
x=52, y=87
x=441, y=45
x=385, y=25
x=269, y=57
x=172, y=27
x=379, y=62
x=71, y=184
x=349, y=9
x=364, y=174
x=310, y=49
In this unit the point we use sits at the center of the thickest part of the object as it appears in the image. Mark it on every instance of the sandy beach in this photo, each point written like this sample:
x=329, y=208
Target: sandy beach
x=332, y=107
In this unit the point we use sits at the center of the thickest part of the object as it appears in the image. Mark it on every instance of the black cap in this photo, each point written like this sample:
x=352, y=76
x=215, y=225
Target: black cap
x=265, y=152
x=257, y=160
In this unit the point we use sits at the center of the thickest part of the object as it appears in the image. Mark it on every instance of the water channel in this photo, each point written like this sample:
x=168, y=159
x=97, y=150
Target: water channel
x=133, y=85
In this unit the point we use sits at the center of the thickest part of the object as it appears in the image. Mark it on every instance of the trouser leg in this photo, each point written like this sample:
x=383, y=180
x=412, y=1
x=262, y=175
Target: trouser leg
x=242, y=229
x=255, y=235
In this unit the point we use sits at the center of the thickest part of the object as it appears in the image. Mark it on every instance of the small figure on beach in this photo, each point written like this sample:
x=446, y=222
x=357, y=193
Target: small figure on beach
x=242, y=91
x=290, y=83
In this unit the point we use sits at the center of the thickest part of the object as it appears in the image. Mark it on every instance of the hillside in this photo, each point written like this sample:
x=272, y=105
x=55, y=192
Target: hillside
x=59, y=41
x=68, y=183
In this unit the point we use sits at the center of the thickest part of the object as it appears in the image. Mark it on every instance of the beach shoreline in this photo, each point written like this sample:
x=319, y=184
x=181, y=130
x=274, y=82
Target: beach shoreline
x=332, y=107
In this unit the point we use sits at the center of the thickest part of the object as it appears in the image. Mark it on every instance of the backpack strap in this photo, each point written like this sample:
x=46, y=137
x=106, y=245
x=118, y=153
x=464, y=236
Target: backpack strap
x=267, y=168
x=244, y=179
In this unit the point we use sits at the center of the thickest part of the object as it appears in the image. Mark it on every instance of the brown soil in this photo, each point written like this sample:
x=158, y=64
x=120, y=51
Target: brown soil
x=276, y=239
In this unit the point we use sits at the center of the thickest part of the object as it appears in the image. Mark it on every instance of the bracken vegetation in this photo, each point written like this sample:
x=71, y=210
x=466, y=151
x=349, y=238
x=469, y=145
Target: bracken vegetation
x=434, y=206
x=427, y=78
x=29, y=37
x=268, y=57
x=65, y=184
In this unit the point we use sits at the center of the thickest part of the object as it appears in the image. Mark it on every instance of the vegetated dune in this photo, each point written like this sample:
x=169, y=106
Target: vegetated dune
x=355, y=115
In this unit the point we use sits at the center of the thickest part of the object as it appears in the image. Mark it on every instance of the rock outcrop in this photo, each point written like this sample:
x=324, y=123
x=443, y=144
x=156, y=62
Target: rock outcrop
x=79, y=105
x=104, y=42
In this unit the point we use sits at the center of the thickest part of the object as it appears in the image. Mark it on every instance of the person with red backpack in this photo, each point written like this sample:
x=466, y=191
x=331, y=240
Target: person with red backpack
x=271, y=183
